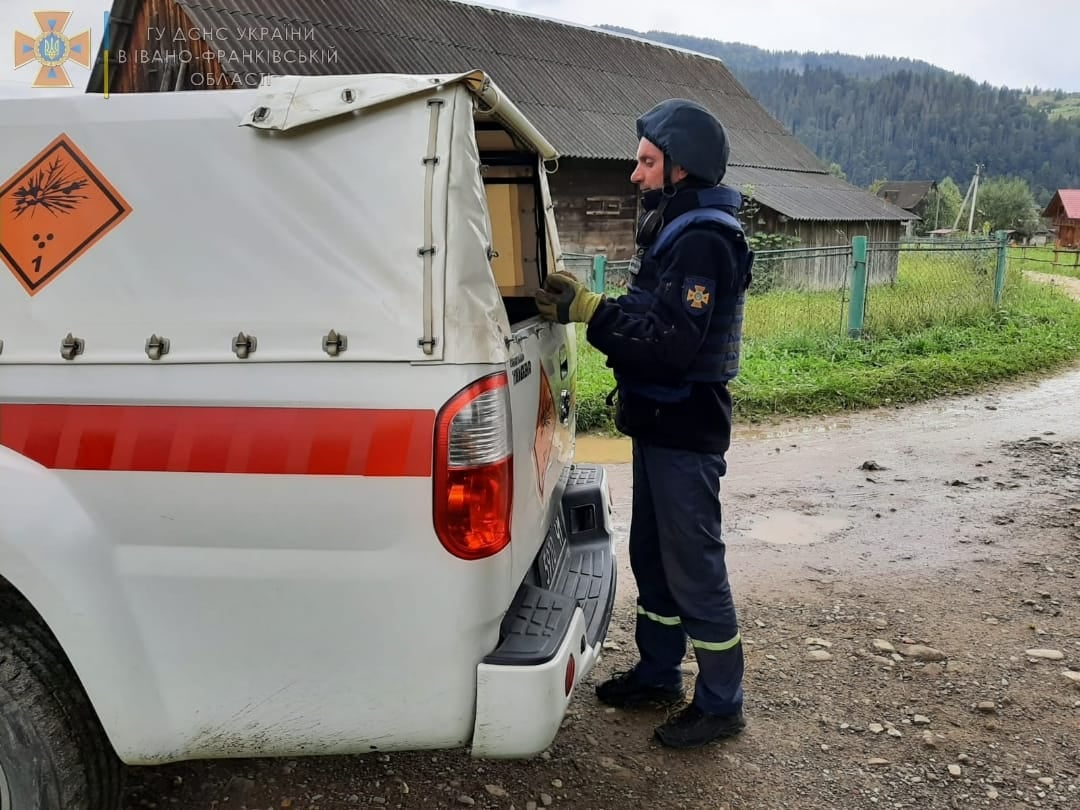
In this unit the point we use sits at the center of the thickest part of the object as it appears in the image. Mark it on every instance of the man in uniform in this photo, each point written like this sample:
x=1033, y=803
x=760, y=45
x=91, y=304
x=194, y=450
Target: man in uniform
x=673, y=343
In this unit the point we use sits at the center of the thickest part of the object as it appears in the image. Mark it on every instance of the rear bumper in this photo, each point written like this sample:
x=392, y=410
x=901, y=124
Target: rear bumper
x=552, y=634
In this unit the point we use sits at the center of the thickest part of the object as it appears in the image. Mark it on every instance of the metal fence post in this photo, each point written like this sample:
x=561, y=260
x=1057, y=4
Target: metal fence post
x=857, y=304
x=1002, y=263
x=599, y=272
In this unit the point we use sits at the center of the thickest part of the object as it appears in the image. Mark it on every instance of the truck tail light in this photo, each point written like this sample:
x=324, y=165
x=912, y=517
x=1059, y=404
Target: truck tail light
x=474, y=470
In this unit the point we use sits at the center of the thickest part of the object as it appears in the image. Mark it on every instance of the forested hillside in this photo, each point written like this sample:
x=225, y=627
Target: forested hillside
x=879, y=117
x=743, y=58
x=926, y=126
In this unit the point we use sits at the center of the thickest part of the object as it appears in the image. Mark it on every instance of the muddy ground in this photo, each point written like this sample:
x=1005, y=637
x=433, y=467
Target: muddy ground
x=908, y=589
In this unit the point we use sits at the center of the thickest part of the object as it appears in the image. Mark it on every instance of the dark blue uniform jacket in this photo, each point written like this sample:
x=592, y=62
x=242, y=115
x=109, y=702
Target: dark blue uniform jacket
x=673, y=340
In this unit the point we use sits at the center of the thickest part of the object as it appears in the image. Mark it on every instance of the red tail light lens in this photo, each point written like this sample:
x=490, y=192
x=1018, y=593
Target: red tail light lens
x=474, y=470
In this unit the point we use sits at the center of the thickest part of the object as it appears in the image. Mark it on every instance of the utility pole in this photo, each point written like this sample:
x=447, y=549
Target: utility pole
x=972, y=186
x=960, y=213
x=974, y=197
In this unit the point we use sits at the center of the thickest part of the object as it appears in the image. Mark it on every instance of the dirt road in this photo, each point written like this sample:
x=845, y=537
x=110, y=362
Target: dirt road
x=908, y=593
x=1070, y=285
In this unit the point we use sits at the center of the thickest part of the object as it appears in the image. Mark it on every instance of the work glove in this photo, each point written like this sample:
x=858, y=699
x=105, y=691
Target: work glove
x=565, y=299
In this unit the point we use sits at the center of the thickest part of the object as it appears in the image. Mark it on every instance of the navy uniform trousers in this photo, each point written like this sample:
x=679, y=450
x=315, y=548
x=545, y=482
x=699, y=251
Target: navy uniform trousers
x=678, y=558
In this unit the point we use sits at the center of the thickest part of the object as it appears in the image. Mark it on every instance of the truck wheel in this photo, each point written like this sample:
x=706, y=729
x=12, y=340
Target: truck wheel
x=53, y=752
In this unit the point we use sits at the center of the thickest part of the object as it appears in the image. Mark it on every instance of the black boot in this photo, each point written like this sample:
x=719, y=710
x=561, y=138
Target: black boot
x=626, y=691
x=693, y=728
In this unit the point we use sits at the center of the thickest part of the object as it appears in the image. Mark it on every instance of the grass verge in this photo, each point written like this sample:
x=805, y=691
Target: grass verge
x=804, y=372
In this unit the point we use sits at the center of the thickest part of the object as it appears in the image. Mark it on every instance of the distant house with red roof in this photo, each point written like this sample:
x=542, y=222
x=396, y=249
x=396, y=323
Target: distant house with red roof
x=1064, y=215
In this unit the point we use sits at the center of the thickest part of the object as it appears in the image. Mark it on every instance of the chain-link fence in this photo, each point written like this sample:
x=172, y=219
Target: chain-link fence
x=798, y=291
x=870, y=290
x=581, y=265
x=936, y=282
x=617, y=277
x=600, y=274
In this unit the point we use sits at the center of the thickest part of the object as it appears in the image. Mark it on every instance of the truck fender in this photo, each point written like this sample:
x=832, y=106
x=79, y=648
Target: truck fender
x=53, y=552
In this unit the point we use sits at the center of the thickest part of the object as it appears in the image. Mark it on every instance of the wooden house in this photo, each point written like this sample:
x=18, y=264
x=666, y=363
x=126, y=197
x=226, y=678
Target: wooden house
x=917, y=197
x=1063, y=212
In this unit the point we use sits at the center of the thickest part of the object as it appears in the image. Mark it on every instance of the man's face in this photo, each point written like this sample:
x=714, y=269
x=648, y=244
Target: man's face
x=649, y=172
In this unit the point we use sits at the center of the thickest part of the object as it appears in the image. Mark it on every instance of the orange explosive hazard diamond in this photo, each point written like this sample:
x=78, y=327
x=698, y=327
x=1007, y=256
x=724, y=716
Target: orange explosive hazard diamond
x=52, y=211
x=545, y=432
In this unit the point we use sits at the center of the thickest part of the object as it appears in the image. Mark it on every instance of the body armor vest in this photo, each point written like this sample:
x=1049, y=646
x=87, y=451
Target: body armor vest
x=717, y=360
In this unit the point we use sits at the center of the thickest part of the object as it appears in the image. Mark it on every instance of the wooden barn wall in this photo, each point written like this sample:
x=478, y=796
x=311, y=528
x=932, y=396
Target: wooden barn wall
x=1068, y=232
x=829, y=234
x=810, y=271
x=595, y=206
x=159, y=55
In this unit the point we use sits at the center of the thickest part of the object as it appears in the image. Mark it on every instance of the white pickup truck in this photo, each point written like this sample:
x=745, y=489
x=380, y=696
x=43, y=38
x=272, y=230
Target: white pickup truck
x=286, y=454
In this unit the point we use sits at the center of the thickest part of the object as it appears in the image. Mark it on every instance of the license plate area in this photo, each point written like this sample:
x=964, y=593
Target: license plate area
x=552, y=552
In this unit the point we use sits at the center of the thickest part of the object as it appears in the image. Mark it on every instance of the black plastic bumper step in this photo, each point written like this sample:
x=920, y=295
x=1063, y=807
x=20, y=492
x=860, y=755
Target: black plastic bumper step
x=578, y=572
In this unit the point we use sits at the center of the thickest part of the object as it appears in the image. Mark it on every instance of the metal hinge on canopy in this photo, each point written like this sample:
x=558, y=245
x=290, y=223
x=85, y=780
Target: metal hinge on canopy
x=428, y=341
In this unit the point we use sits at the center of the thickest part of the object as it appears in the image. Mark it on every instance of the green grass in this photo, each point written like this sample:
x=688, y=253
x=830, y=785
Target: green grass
x=594, y=382
x=934, y=287
x=1046, y=260
x=796, y=362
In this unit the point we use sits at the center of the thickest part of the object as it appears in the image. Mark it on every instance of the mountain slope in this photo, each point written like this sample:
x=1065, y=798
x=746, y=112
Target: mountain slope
x=908, y=126
x=1055, y=104
x=880, y=117
x=744, y=58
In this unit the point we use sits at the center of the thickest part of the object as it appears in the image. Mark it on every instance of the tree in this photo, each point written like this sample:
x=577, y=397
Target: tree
x=1007, y=204
x=942, y=206
x=836, y=170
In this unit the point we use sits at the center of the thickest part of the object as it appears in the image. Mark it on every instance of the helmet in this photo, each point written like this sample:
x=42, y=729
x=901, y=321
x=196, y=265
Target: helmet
x=689, y=135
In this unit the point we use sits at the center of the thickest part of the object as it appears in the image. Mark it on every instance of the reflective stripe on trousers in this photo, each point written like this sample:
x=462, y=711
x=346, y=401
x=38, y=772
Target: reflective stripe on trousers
x=674, y=621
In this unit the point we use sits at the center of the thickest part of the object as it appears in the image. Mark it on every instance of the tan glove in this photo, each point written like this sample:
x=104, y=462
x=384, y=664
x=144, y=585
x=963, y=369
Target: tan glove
x=565, y=299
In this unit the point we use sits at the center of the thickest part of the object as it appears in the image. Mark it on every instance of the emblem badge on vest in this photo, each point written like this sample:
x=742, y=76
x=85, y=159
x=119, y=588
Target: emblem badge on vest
x=697, y=294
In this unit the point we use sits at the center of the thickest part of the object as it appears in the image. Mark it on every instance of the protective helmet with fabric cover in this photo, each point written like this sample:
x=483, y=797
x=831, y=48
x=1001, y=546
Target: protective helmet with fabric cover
x=690, y=136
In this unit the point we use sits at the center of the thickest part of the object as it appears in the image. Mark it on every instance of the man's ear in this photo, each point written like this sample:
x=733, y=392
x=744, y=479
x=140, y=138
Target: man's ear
x=678, y=173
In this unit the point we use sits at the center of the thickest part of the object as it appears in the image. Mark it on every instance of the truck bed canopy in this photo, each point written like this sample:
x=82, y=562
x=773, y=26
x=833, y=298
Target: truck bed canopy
x=307, y=208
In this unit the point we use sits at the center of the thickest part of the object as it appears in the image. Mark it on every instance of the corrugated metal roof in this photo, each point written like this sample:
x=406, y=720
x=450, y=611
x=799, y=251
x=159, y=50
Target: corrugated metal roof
x=906, y=193
x=813, y=196
x=583, y=85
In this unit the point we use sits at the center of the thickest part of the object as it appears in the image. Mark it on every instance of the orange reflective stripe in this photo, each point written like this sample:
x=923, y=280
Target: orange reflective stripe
x=240, y=440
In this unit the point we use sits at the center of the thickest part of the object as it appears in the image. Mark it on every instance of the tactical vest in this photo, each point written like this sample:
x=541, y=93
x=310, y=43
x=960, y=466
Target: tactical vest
x=718, y=358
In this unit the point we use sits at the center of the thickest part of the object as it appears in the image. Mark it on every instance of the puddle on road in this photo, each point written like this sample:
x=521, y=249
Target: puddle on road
x=784, y=527
x=787, y=431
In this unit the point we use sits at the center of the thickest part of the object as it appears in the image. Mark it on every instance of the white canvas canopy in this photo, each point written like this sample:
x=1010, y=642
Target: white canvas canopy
x=309, y=204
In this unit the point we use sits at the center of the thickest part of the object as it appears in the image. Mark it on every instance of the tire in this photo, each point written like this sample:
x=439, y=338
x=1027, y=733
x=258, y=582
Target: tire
x=53, y=751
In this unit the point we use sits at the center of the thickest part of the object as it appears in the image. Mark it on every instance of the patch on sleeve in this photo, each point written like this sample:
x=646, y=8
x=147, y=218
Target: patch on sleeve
x=697, y=294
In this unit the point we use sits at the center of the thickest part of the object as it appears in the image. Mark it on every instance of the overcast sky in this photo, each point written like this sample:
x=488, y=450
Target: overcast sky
x=1015, y=44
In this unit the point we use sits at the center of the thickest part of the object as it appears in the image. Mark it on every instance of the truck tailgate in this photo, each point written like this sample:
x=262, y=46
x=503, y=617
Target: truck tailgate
x=542, y=371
